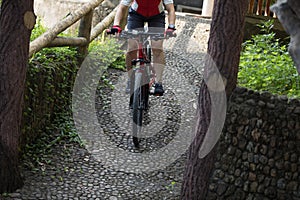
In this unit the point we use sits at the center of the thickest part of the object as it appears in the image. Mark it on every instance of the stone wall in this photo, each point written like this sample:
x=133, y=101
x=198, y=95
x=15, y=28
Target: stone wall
x=259, y=150
x=51, y=11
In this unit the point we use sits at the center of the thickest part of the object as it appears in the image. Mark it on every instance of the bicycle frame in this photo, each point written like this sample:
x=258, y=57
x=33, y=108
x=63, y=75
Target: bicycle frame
x=142, y=79
x=143, y=60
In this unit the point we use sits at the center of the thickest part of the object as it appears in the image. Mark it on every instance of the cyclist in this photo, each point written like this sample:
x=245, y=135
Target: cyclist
x=152, y=12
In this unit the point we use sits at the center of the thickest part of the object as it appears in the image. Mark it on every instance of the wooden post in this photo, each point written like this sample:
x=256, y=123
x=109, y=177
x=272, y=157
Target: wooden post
x=267, y=8
x=259, y=7
x=68, y=41
x=85, y=31
x=251, y=7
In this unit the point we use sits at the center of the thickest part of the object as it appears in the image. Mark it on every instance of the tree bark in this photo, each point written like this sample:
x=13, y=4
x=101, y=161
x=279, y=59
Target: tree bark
x=288, y=13
x=68, y=41
x=85, y=31
x=16, y=22
x=224, y=47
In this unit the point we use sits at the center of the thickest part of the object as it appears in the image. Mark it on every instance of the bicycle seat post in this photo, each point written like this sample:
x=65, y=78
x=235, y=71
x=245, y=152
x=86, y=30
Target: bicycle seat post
x=146, y=28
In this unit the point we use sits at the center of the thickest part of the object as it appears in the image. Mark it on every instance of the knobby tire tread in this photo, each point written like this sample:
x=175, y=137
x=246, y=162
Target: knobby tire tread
x=137, y=110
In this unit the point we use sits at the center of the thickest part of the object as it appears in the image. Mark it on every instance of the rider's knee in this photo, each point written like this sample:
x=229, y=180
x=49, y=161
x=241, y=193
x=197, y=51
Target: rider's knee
x=132, y=46
x=157, y=52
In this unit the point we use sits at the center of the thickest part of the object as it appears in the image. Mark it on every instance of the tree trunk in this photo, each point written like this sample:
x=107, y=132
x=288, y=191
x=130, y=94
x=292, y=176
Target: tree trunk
x=224, y=47
x=288, y=13
x=16, y=22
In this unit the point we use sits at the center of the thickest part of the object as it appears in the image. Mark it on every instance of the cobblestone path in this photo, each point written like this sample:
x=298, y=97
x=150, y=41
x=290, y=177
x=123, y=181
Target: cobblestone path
x=80, y=173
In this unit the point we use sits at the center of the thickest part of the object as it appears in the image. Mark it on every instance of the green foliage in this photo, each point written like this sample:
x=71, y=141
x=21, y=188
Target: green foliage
x=108, y=52
x=49, y=82
x=265, y=65
x=38, y=30
x=50, y=79
x=171, y=186
x=47, y=117
x=60, y=132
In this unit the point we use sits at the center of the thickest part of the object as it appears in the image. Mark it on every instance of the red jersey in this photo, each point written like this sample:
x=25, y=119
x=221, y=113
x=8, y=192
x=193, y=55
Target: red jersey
x=147, y=8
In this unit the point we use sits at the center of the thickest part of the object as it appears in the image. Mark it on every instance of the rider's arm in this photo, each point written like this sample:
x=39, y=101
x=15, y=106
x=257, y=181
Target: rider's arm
x=122, y=13
x=171, y=13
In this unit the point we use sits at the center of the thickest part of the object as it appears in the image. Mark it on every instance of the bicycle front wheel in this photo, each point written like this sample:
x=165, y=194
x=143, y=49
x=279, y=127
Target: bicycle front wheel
x=148, y=51
x=137, y=109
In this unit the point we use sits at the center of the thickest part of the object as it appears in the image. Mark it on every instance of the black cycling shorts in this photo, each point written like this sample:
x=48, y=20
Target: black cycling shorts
x=136, y=21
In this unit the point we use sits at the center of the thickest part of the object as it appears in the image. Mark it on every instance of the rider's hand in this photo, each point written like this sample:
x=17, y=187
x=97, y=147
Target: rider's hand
x=170, y=32
x=115, y=29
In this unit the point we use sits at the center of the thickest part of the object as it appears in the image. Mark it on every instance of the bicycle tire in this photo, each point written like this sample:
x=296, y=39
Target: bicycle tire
x=148, y=51
x=137, y=108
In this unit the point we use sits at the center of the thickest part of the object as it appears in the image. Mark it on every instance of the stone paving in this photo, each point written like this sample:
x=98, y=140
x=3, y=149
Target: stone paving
x=156, y=170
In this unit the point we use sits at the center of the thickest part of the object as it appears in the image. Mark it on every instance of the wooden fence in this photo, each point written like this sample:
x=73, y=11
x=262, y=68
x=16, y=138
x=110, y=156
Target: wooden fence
x=86, y=33
x=260, y=7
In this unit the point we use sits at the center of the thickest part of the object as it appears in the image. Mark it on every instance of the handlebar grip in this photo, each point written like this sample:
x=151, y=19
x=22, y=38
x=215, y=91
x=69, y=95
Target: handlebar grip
x=109, y=32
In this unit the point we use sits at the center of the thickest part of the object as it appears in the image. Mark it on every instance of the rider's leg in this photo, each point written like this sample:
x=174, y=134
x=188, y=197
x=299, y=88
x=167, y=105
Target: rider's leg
x=134, y=22
x=158, y=59
x=159, y=65
x=157, y=24
x=131, y=54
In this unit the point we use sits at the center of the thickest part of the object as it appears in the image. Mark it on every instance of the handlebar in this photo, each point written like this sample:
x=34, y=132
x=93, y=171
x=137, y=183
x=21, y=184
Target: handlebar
x=136, y=34
x=142, y=34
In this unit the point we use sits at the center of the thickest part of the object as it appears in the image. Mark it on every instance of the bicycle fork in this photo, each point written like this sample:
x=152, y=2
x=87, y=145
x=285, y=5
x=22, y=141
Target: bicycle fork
x=142, y=80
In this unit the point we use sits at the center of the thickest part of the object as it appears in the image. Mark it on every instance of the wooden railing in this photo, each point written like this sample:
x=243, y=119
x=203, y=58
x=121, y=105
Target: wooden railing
x=86, y=33
x=260, y=7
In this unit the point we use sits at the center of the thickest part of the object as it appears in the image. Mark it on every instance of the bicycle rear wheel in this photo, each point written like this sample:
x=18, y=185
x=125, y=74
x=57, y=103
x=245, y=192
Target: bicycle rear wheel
x=149, y=68
x=137, y=108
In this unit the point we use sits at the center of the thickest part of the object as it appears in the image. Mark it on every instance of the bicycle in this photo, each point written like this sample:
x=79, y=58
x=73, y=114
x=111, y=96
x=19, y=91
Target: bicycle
x=142, y=78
